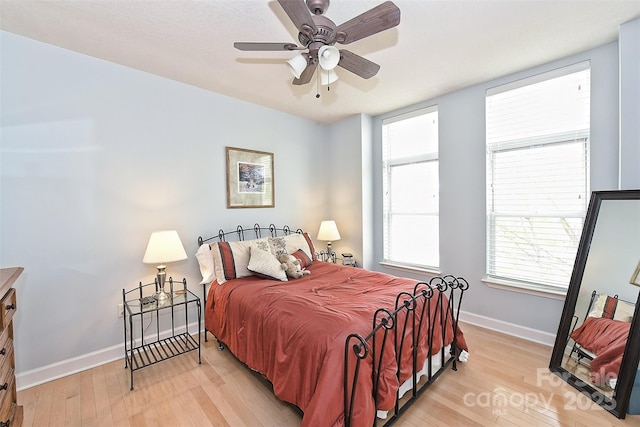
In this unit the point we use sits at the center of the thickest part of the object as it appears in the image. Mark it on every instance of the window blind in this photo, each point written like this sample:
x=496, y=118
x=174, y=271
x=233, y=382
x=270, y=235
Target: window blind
x=537, y=176
x=411, y=188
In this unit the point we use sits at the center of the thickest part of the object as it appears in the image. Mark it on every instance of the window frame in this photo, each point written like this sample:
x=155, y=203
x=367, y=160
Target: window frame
x=387, y=165
x=580, y=136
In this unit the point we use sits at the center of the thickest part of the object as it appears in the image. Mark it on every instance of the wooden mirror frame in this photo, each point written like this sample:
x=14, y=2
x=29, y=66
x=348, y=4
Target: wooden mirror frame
x=619, y=403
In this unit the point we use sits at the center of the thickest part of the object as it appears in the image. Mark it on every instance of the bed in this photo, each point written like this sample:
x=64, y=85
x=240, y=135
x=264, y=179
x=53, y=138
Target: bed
x=602, y=337
x=344, y=345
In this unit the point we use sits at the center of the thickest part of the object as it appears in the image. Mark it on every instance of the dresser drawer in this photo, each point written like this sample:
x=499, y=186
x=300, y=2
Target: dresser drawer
x=8, y=307
x=8, y=398
x=6, y=342
x=6, y=369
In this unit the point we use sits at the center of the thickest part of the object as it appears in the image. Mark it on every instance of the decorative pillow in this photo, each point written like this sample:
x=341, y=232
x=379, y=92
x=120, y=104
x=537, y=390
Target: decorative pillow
x=264, y=263
x=624, y=311
x=291, y=243
x=612, y=308
x=609, y=307
x=304, y=259
x=205, y=261
x=598, y=305
x=230, y=259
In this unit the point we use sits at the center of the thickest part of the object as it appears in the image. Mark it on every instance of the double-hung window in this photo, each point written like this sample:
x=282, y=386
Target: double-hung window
x=411, y=189
x=537, y=177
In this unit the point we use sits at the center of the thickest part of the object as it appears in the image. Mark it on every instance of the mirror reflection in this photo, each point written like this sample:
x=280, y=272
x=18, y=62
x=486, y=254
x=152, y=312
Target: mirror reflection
x=599, y=312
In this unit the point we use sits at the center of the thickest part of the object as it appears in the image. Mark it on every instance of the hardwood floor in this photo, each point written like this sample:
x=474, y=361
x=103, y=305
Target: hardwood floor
x=505, y=383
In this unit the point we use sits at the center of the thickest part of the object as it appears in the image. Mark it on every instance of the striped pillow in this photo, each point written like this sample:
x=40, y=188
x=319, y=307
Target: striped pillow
x=231, y=259
x=304, y=259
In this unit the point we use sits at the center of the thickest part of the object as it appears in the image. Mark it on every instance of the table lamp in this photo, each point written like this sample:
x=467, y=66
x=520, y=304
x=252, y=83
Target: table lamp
x=328, y=233
x=163, y=247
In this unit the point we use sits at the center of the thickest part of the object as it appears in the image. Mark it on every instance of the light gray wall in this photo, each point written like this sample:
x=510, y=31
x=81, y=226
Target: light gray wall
x=94, y=157
x=629, y=42
x=462, y=185
x=349, y=185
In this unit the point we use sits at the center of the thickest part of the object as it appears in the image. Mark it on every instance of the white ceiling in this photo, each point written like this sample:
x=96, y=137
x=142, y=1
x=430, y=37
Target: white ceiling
x=439, y=46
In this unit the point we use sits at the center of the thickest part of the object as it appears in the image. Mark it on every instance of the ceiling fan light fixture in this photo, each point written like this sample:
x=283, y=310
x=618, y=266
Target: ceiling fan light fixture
x=328, y=57
x=327, y=77
x=297, y=64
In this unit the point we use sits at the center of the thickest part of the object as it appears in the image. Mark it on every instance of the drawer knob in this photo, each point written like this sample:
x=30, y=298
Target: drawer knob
x=5, y=423
x=3, y=352
x=4, y=386
x=10, y=307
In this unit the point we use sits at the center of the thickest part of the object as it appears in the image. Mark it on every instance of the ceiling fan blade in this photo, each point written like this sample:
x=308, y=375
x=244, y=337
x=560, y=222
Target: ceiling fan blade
x=380, y=18
x=306, y=75
x=357, y=64
x=258, y=46
x=300, y=16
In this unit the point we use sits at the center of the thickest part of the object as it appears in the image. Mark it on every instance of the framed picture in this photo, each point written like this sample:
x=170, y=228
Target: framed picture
x=635, y=277
x=249, y=179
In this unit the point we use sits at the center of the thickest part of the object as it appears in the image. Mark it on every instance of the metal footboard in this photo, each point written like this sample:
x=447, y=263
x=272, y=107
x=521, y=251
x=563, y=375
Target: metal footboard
x=411, y=323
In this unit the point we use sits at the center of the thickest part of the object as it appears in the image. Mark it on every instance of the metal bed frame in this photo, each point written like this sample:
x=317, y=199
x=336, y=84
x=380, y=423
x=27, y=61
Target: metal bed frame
x=412, y=309
x=392, y=326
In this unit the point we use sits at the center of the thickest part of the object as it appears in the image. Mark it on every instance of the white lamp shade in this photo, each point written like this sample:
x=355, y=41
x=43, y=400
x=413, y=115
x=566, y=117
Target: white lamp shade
x=297, y=64
x=328, y=57
x=164, y=246
x=327, y=77
x=328, y=231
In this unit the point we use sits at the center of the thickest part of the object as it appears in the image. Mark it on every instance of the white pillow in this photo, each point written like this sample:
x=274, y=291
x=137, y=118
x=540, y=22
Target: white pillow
x=266, y=264
x=205, y=260
x=624, y=311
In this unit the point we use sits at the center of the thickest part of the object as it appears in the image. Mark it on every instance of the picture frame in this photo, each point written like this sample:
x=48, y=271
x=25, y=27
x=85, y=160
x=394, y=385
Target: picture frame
x=635, y=277
x=249, y=178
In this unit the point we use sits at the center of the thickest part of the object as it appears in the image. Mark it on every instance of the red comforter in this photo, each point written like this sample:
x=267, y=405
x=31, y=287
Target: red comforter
x=606, y=338
x=294, y=334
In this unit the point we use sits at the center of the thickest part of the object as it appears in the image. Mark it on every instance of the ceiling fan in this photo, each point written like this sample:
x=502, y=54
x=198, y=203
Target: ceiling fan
x=318, y=35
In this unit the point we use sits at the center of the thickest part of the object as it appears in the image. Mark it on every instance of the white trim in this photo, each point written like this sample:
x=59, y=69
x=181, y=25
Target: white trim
x=405, y=267
x=77, y=364
x=410, y=114
x=537, y=78
x=512, y=329
x=524, y=288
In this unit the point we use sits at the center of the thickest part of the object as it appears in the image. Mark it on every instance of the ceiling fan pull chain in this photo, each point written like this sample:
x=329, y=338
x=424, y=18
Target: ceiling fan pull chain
x=318, y=84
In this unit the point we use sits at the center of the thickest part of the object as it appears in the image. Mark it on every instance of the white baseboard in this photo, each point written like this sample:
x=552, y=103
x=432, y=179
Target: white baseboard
x=74, y=365
x=77, y=364
x=523, y=332
x=67, y=367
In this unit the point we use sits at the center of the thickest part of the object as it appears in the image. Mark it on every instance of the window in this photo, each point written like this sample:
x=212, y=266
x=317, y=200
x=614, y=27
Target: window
x=537, y=177
x=411, y=189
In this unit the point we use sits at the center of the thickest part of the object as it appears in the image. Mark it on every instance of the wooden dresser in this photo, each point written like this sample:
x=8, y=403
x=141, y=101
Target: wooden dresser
x=11, y=414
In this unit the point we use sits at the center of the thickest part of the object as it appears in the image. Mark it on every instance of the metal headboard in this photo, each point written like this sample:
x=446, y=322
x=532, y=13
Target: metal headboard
x=258, y=231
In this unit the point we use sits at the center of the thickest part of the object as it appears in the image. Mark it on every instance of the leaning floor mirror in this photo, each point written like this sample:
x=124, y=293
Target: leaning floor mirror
x=597, y=347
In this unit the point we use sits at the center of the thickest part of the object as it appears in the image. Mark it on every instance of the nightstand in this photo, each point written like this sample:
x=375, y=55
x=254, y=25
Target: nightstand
x=146, y=345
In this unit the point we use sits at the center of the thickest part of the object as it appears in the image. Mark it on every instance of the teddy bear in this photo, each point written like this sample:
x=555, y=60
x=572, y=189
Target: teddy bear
x=291, y=266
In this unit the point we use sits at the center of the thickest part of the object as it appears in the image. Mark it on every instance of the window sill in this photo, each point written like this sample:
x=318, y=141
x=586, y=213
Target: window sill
x=524, y=288
x=414, y=269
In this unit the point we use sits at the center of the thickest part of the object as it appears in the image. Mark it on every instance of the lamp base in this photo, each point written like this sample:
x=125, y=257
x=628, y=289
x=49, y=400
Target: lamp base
x=161, y=296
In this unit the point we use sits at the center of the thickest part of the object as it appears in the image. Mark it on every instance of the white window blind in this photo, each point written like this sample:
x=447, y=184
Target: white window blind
x=411, y=189
x=537, y=176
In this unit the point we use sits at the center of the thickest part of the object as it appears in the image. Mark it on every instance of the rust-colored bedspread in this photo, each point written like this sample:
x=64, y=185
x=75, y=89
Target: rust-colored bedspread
x=294, y=333
x=606, y=338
